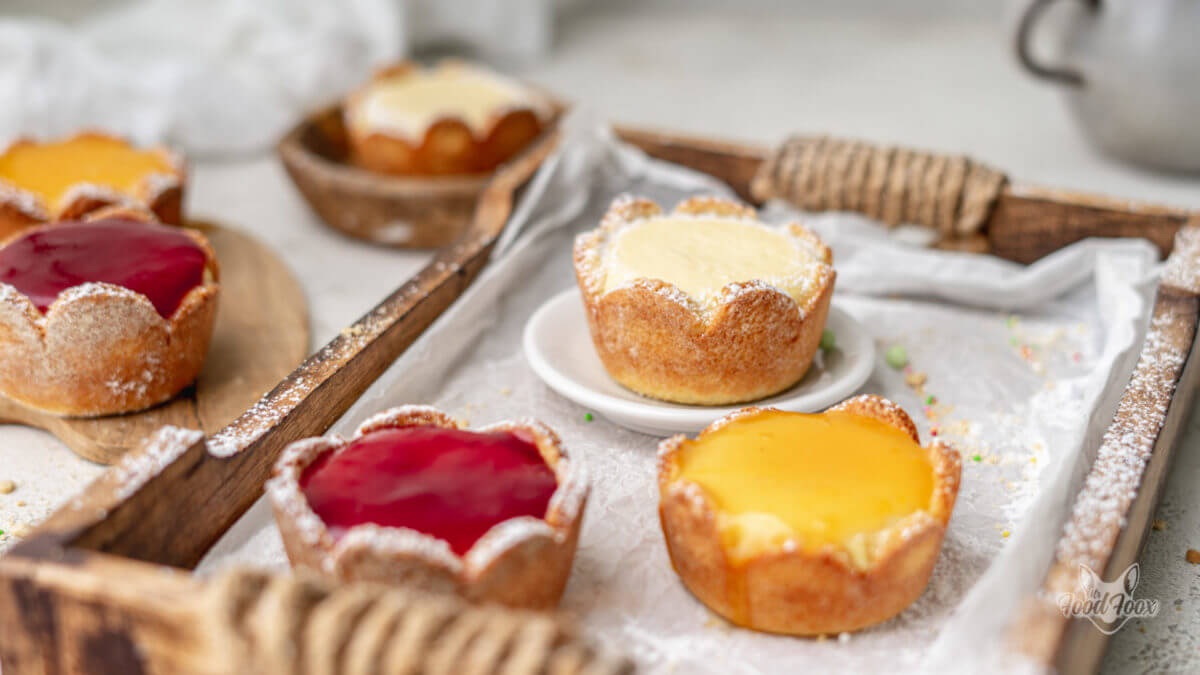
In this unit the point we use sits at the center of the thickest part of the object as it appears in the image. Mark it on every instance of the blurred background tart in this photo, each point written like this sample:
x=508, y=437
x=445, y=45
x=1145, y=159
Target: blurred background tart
x=43, y=181
x=109, y=314
x=706, y=304
x=807, y=524
x=416, y=498
x=453, y=118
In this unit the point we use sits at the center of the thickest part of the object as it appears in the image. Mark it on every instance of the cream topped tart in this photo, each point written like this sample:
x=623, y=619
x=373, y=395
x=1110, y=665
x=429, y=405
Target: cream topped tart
x=807, y=524
x=414, y=497
x=706, y=304
x=64, y=179
x=455, y=118
x=105, y=315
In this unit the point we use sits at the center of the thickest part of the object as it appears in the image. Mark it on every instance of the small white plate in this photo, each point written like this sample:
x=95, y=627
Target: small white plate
x=559, y=348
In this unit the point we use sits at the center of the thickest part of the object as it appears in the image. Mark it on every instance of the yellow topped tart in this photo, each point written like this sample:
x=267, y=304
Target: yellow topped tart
x=706, y=304
x=455, y=118
x=63, y=179
x=798, y=523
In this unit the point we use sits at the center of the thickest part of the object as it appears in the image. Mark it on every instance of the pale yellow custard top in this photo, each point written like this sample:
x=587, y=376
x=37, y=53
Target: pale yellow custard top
x=700, y=255
x=49, y=170
x=781, y=479
x=410, y=102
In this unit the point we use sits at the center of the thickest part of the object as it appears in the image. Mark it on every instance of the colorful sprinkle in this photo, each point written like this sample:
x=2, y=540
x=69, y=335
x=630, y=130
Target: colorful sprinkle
x=929, y=399
x=1005, y=534
x=828, y=341
x=933, y=431
x=1077, y=357
x=978, y=458
x=588, y=417
x=1012, y=321
x=896, y=356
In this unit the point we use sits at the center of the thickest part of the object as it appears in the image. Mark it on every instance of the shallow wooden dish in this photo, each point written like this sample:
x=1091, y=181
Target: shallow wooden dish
x=399, y=211
x=86, y=593
x=260, y=335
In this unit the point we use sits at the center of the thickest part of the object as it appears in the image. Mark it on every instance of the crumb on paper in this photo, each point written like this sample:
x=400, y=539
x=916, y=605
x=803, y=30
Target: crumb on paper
x=1193, y=556
x=896, y=356
x=7, y=486
x=1159, y=524
x=506, y=391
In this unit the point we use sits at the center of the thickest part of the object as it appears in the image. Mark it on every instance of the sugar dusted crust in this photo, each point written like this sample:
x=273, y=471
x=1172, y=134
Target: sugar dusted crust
x=520, y=562
x=748, y=341
x=446, y=145
x=799, y=592
x=160, y=193
x=101, y=349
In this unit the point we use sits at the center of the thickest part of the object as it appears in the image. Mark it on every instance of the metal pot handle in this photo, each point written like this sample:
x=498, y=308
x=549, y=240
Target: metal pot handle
x=1025, y=30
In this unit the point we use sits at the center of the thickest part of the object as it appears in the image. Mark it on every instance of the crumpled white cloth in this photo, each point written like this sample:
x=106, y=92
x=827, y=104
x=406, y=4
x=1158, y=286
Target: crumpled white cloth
x=227, y=76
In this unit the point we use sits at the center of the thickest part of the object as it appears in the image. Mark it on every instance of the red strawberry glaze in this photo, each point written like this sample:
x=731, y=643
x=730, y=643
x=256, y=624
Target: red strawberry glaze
x=159, y=262
x=450, y=484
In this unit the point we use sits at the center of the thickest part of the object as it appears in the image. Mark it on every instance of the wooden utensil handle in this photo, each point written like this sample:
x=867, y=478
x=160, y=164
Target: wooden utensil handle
x=949, y=193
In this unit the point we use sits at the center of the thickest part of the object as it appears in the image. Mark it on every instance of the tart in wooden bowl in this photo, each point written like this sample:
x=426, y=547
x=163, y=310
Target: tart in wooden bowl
x=414, y=498
x=704, y=305
x=454, y=118
x=65, y=179
x=807, y=524
x=109, y=314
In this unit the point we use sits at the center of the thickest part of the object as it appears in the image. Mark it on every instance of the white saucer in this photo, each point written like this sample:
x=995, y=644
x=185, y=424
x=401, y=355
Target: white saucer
x=559, y=348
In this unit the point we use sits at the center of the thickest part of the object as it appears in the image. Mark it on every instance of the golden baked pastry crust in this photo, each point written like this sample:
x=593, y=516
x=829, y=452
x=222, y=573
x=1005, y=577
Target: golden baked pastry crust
x=800, y=592
x=520, y=562
x=656, y=340
x=101, y=349
x=160, y=192
x=448, y=145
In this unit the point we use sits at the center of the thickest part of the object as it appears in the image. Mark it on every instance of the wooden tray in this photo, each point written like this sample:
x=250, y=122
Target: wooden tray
x=84, y=577
x=260, y=335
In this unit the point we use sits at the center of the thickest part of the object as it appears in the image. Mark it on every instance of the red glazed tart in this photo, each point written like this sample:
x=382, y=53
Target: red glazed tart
x=415, y=498
x=65, y=179
x=106, y=315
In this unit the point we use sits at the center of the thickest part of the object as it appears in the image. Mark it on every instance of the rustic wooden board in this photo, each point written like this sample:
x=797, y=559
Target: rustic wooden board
x=261, y=334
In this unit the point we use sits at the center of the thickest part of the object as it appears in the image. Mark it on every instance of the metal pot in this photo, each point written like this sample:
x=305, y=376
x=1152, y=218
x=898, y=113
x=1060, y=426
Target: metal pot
x=1132, y=74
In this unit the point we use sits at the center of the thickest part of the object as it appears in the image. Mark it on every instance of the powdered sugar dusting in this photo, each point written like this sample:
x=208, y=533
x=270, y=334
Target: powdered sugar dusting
x=259, y=418
x=1113, y=482
x=161, y=449
x=1183, y=266
x=594, y=250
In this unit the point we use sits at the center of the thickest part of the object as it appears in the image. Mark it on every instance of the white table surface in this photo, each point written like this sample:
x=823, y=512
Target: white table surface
x=756, y=76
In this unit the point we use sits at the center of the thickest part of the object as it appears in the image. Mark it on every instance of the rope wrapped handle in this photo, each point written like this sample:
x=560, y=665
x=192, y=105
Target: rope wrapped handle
x=262, y=623
x=949, y=193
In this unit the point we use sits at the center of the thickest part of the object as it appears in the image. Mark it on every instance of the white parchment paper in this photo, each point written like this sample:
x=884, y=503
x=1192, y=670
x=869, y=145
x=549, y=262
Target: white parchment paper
x=1023, y=364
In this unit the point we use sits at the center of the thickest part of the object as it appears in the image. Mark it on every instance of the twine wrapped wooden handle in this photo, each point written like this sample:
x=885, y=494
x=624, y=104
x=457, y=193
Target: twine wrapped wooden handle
x=950, y=193
x=263, y=623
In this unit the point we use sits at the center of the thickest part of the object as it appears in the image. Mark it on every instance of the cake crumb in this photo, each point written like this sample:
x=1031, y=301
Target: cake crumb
x=7, y=486
x=1193, y=556
x=1159, y=524
x=506, y=391
x=843, y=637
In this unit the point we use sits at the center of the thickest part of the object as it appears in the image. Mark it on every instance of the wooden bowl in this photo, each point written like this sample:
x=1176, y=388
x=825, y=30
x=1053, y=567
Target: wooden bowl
x=399, y=211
